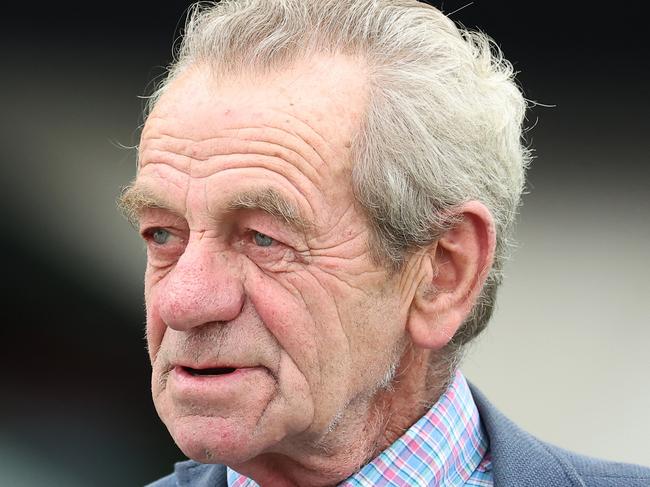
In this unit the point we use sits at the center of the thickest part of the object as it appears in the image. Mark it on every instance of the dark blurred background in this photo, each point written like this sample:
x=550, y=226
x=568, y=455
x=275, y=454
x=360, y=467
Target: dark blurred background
x=566, y=355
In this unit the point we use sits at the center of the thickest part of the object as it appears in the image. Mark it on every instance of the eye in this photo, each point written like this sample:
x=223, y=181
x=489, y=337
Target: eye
x=160, y=236
x=262, y=240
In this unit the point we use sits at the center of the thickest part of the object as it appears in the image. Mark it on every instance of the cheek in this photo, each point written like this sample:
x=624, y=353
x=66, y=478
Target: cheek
x=299, y=311
x=286, y=318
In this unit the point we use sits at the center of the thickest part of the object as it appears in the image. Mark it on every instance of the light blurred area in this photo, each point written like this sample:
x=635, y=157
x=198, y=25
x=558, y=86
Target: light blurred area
x=565, y=356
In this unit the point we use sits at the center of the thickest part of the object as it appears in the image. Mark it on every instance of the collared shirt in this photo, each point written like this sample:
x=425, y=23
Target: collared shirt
x=445, y=447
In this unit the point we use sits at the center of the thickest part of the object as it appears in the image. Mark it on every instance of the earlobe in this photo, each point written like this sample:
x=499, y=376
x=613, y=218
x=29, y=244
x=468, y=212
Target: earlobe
x=454, y=271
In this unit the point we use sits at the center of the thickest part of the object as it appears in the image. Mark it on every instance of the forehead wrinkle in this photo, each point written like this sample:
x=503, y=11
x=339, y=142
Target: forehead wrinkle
x=264, y=141
x=272, y=202
x=152, y=135
x=320, y=146
x=313, y=139
x=287, y=142
x=324, y=149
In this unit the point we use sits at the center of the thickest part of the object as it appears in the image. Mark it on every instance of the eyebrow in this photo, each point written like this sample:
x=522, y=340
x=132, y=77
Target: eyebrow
x=135, y=198
x=272, y=202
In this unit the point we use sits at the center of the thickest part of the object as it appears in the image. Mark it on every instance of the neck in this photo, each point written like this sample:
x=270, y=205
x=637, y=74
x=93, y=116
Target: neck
x=366, y=428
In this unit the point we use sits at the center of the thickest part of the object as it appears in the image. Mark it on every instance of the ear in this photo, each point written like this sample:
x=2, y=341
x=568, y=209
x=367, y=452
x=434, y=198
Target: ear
x=452, y=274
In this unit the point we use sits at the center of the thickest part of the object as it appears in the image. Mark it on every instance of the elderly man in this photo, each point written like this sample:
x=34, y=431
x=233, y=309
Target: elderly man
x=326, y=189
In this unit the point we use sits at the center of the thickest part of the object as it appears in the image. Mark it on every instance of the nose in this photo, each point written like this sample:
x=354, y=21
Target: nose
x=204, y=286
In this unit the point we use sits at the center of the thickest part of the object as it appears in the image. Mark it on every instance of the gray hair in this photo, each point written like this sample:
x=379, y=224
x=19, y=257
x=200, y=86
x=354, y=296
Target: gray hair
x=443, y=123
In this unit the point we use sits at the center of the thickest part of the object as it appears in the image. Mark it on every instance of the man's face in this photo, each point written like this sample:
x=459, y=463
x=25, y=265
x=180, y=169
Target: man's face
x=267, y=323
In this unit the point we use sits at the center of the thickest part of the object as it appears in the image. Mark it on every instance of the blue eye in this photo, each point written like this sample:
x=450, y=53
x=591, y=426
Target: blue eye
x=262, y=240
x=160, y=236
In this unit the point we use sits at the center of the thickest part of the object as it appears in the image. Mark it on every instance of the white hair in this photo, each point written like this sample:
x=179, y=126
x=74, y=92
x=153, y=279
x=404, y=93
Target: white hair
x=444, y=119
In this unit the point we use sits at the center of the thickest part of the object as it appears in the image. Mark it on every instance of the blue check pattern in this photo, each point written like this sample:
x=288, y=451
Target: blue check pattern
x=446, y=447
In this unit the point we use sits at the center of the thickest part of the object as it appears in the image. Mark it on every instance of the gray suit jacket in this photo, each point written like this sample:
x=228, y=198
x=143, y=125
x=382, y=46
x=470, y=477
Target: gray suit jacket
x=518, y=460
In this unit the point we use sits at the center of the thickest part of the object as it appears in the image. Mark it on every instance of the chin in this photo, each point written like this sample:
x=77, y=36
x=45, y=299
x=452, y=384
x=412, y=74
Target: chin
x=216, y=440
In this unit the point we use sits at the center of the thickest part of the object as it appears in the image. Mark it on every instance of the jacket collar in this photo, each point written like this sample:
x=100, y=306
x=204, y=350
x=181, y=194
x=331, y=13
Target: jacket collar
x=518, y=458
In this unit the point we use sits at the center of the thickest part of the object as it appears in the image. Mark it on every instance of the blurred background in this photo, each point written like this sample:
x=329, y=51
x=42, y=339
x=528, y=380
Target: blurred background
x=566, y=355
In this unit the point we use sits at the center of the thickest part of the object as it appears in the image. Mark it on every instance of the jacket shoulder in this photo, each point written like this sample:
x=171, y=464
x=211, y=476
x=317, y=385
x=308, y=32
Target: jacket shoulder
x=596, y=472
x=520, y=459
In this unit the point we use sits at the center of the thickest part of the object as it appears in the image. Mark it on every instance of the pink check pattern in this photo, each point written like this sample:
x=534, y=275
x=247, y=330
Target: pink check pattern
x=446, y=447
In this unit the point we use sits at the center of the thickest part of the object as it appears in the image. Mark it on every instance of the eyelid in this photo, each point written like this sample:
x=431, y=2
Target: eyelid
x=264, y=235
x=160, y=218
x=147, y=233
x=280, y=240
x=277, y=239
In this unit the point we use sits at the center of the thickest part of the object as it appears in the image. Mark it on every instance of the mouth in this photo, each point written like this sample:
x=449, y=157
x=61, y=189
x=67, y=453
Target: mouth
x=208, y=371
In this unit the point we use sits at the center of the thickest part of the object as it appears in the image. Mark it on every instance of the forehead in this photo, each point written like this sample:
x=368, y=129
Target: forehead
x=211, y=137
x=324, y=95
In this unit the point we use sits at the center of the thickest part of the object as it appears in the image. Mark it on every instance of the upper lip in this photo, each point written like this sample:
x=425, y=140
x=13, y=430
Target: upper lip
x=188, y=366
x=208, y=365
